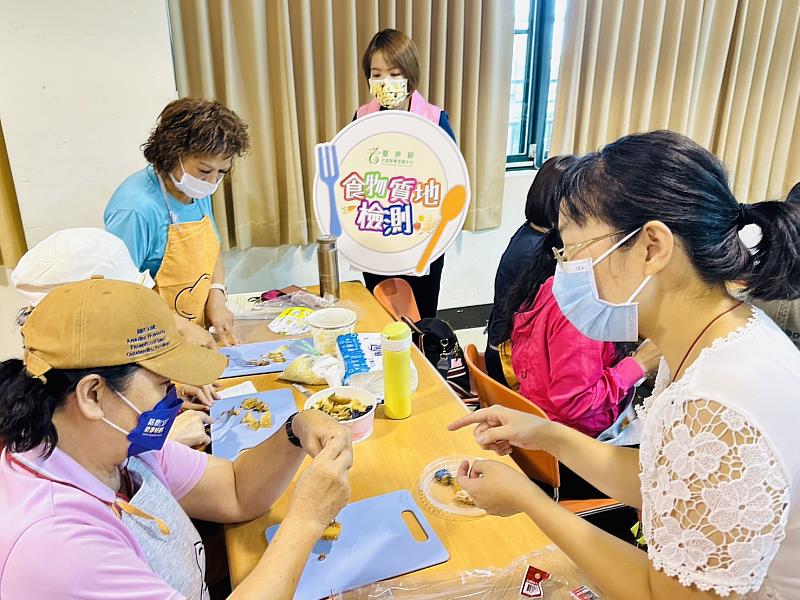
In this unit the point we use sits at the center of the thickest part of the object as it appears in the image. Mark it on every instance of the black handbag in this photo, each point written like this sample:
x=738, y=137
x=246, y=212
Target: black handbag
x=438, y=342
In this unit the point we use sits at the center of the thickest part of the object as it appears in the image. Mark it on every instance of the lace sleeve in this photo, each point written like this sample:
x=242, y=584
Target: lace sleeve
x=715, y=498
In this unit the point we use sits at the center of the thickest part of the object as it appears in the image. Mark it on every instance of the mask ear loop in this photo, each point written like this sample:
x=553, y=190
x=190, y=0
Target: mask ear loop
x=639, y=289
x=132, y=407
x=608, y=252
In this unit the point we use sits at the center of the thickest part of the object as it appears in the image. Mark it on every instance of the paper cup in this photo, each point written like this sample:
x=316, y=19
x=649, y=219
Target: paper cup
x=360, y=428
x=328, y=324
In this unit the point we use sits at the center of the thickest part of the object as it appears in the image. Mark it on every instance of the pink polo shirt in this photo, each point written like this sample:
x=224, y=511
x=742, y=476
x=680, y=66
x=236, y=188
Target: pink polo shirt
x=60, y=538
x=570, y=377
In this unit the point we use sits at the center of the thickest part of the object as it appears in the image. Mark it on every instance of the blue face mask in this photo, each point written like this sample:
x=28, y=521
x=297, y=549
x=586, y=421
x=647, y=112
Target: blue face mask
x=575, y=291
x=153, y=427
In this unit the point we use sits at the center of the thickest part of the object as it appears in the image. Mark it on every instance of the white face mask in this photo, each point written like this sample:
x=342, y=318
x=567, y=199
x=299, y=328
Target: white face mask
x=575, y=291
x=194, y=187
x=390, y=92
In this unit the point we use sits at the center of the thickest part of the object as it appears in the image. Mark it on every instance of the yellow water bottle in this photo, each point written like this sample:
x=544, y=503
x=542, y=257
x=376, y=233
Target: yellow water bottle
x=396, y=351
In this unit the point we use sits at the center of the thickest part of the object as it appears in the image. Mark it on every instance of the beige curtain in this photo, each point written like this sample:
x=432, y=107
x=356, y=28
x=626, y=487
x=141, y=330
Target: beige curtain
x=724, y=72
x=291, y=69
x=12, y=236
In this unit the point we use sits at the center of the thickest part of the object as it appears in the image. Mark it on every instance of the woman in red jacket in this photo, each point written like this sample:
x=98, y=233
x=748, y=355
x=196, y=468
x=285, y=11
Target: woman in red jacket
x=575, y=380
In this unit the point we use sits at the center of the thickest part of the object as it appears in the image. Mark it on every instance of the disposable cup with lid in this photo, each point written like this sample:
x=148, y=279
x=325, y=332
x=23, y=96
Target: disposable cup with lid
x=328, y=324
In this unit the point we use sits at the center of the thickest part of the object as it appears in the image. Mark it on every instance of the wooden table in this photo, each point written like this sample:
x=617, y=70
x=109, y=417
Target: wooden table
x=393, y=459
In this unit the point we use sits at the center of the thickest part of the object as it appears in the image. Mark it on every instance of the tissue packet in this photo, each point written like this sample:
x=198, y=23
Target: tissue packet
x=363, y=362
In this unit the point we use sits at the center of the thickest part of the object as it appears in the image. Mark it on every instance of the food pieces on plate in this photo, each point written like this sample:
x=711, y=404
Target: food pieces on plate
x=342, y=409
x=261, y=361
x=249, y=420
x=276, y=356
x=463, y=497
x=255, y=404
x=332, y=532
x=262, y=419
x=444, y=477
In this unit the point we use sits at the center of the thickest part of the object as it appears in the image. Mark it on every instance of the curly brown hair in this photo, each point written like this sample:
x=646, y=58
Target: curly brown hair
x=194, y=126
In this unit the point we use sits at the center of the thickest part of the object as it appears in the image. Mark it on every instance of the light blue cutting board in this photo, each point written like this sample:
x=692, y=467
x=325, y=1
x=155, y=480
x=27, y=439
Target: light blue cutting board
x=239, y=355
x=375, y=544
x=230, y=438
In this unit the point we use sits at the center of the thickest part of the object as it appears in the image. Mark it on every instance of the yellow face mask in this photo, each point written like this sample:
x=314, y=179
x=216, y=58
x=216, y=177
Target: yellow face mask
x=389, y=92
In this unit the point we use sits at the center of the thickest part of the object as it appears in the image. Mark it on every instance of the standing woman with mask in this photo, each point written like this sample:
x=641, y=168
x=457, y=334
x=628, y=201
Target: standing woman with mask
x=163, y=212
x=391, y=67
x=651, y=237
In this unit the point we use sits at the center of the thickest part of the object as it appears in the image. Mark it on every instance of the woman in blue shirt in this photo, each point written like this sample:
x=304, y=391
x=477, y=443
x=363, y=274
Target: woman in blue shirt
x=163, y=212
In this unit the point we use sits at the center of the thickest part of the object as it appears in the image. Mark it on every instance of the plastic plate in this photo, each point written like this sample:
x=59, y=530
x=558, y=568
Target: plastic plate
x=441, y=499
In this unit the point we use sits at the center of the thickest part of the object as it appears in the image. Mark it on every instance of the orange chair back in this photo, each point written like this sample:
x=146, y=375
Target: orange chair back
x=397, y=297
x=536, y=464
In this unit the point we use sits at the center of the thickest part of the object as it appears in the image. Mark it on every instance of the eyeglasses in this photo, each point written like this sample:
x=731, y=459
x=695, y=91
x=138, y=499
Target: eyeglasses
x=562, y=256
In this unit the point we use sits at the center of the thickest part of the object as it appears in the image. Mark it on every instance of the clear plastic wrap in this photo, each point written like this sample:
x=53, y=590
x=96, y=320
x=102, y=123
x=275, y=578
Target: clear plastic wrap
x=483, y=584
x=255, y=306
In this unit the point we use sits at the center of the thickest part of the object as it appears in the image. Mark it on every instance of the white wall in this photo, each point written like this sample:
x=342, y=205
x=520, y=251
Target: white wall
x=10, y=303
x=469, y=266
x=82, y=84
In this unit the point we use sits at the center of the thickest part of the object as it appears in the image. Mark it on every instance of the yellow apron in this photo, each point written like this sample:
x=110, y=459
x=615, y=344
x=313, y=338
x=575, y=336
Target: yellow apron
x=185, y=276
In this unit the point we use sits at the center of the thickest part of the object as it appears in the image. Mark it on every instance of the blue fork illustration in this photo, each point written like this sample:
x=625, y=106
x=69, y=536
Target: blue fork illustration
x=328, y=169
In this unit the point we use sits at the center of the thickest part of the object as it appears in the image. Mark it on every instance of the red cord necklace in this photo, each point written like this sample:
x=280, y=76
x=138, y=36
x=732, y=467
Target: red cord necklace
x=702, y=333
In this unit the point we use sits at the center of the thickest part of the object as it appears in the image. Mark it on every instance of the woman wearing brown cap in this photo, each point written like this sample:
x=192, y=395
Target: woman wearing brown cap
x=88, y=478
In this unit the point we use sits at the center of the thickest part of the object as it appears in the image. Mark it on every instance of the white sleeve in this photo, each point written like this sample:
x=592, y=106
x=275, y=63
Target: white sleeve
x=715, y=498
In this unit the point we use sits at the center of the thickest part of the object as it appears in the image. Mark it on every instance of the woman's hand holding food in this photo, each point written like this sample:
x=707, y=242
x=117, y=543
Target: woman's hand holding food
x=323, y=489
x=221, y=318
x=189, y=429
x=497, y=488
x=316, y=430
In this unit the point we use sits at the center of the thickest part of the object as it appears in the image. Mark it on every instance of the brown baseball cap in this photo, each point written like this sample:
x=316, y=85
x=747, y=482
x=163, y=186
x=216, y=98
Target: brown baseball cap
x=106, y=323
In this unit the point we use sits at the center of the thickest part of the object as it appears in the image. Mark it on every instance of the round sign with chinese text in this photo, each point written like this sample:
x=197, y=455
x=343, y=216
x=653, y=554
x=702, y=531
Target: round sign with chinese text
x=386, y=176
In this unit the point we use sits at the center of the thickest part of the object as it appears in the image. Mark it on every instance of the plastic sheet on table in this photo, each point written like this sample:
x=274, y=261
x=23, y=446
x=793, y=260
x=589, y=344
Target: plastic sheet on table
x=495, y=583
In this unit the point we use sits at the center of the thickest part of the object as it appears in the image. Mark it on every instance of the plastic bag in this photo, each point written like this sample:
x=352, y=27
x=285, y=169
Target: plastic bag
x=301, y=370
x=486, y=584
x=269, y=305
x=314, y=369
x=362, y=357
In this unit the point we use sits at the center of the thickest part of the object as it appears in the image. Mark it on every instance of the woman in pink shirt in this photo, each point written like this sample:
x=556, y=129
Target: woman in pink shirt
x=577, y=381
x=95, y=503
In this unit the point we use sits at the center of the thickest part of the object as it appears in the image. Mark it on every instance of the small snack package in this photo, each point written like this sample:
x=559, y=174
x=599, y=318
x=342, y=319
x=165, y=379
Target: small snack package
x=292, y=321
x=363, y=363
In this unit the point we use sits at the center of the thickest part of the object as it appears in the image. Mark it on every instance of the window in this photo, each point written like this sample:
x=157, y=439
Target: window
x=538, y=33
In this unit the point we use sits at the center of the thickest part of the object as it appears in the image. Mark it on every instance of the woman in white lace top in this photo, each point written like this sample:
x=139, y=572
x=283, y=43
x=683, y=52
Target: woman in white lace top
x=652, y=217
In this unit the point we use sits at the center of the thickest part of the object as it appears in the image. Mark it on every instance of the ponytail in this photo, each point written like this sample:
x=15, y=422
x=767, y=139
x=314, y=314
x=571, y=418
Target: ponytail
x=27, y=404
x=664, y=176
x=773, y=272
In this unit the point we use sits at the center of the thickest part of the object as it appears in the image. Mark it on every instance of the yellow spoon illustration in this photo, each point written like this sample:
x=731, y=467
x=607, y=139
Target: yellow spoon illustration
x=451, y=208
